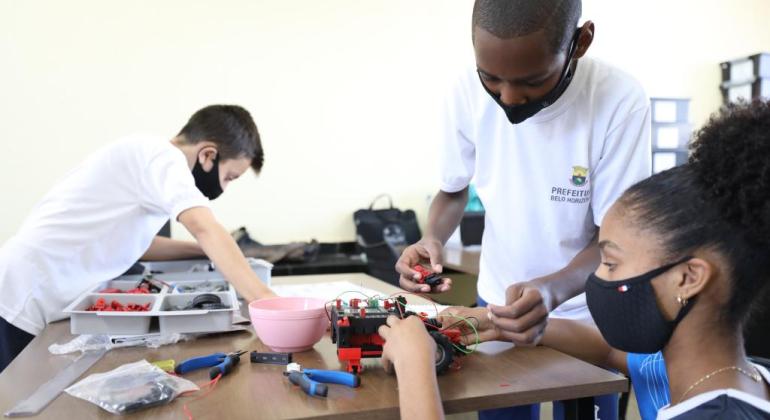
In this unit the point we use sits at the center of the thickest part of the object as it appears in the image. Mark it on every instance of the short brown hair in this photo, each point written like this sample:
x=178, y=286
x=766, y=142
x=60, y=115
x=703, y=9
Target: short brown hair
x=231, y=128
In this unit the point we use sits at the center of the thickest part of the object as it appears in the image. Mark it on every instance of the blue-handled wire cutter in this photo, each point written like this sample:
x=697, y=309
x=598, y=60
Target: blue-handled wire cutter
x=220, y=363
x=313, y=381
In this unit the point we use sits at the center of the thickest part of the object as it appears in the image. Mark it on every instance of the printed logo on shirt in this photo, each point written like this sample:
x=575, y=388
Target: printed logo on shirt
x=579, y=176
x=579, y=195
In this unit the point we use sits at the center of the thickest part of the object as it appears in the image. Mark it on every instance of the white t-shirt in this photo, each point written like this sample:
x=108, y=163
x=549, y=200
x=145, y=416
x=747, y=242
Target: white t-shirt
x=92, y=226
x=546, y=183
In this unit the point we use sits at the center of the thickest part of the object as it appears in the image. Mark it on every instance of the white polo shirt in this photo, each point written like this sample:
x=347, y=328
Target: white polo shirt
x=546, y=183
x=92, y=226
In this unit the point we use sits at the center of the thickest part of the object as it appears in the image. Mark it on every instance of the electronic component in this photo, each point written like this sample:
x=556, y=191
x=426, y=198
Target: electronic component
x=271, y=358
x=427, y=277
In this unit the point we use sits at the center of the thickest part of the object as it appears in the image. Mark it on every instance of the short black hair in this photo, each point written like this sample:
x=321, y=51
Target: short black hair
x=719, y=200
x=508, y=19
x=231, y=128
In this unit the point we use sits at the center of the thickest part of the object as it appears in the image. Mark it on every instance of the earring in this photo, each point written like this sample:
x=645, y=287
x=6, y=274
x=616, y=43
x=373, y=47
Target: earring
x=681, y=301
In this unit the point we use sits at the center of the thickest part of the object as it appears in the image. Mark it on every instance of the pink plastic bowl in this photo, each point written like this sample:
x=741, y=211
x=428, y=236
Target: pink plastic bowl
x=289, y=324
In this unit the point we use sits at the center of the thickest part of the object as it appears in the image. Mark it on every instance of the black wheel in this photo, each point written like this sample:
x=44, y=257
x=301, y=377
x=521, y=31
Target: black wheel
x=444, y=352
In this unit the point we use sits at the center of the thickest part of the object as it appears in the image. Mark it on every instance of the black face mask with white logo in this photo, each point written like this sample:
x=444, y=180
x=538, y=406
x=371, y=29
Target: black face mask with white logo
x=519, y=113
x=208, y=182
x=627, y=312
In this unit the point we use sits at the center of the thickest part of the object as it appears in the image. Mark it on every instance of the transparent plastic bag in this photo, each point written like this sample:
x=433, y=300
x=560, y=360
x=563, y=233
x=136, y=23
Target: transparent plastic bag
x=88, y=342
x=82, y=343
x=130, y=388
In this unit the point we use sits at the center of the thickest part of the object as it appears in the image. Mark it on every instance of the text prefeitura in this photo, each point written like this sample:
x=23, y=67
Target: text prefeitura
x=570, y=195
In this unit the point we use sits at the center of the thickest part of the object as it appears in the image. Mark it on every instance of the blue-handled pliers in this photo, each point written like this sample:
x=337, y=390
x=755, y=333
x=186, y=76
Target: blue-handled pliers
x=220, y=363
x=313, y=381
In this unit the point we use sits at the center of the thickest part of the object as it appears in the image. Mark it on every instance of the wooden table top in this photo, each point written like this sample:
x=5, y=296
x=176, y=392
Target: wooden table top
x=512, y=377
x=462, y=259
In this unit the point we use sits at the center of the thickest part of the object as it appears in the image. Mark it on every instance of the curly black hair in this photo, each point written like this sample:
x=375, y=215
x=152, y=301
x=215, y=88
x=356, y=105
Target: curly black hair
x=513, y=18
x=719, y=200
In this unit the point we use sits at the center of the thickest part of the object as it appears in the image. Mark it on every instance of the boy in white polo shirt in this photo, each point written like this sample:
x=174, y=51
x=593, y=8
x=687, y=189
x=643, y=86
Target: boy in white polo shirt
x=104, y=215
x=550, y=138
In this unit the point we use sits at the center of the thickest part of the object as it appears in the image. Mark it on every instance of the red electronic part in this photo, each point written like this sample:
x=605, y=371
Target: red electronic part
x=453, y=334
x=353, y=358
x=367, y=340
x=426, y=276
x=115, y=306
x=141, y=290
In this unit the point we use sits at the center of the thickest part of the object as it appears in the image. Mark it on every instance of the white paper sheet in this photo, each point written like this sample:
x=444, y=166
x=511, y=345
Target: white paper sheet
x=331, y=290
x=327, y=291
x=431, y=310
x=494, y=347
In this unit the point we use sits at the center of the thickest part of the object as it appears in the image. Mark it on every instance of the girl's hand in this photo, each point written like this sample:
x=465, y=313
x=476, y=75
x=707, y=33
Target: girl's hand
x=408, y=346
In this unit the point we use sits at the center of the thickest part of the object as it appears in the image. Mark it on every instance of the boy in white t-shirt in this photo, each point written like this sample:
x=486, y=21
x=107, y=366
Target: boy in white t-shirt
x=550, y=138
x=104, y=215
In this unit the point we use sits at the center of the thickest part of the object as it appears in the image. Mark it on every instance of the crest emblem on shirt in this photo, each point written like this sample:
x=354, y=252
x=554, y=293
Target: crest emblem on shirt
x=579, y=176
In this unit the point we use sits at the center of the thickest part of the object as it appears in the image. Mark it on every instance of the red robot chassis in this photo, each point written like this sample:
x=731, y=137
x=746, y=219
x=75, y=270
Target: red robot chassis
x=355, y=324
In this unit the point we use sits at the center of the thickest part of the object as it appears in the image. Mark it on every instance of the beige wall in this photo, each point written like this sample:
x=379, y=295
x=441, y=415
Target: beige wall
x=346, y=92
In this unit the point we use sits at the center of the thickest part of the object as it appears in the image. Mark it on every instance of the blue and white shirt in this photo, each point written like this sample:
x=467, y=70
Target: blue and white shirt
x=650, y=382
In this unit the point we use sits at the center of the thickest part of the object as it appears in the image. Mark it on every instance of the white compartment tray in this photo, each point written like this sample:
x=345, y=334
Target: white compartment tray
x=163, y=316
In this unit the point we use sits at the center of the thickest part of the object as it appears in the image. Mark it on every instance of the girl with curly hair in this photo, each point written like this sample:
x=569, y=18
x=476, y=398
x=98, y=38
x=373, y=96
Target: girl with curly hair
x=685, y=258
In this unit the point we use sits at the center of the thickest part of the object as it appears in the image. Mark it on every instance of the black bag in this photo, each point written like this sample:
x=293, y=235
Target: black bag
x=383, y=234
x=390, y=225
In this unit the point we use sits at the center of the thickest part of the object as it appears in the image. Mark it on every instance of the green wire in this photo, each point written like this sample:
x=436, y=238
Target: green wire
x=473, y=327
x=354, y=291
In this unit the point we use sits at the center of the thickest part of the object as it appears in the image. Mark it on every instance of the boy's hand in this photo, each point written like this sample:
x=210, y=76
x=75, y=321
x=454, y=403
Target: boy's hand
x=479, y=317
x=426, y=250
x=408, y=346
x=220, y=247
x=524, y=317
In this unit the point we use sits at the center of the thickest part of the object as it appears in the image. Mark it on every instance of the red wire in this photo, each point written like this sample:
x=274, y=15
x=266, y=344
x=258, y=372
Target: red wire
x=435, y=306
x=212, y=383
x=187, y=412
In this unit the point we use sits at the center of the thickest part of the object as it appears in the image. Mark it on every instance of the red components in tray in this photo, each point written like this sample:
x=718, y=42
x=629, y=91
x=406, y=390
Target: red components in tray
x=141, y=290
x=115, y=306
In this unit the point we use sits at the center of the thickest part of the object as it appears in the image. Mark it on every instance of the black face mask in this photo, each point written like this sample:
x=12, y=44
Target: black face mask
x=208, y=182
x=627, y=312
x=519, y=113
